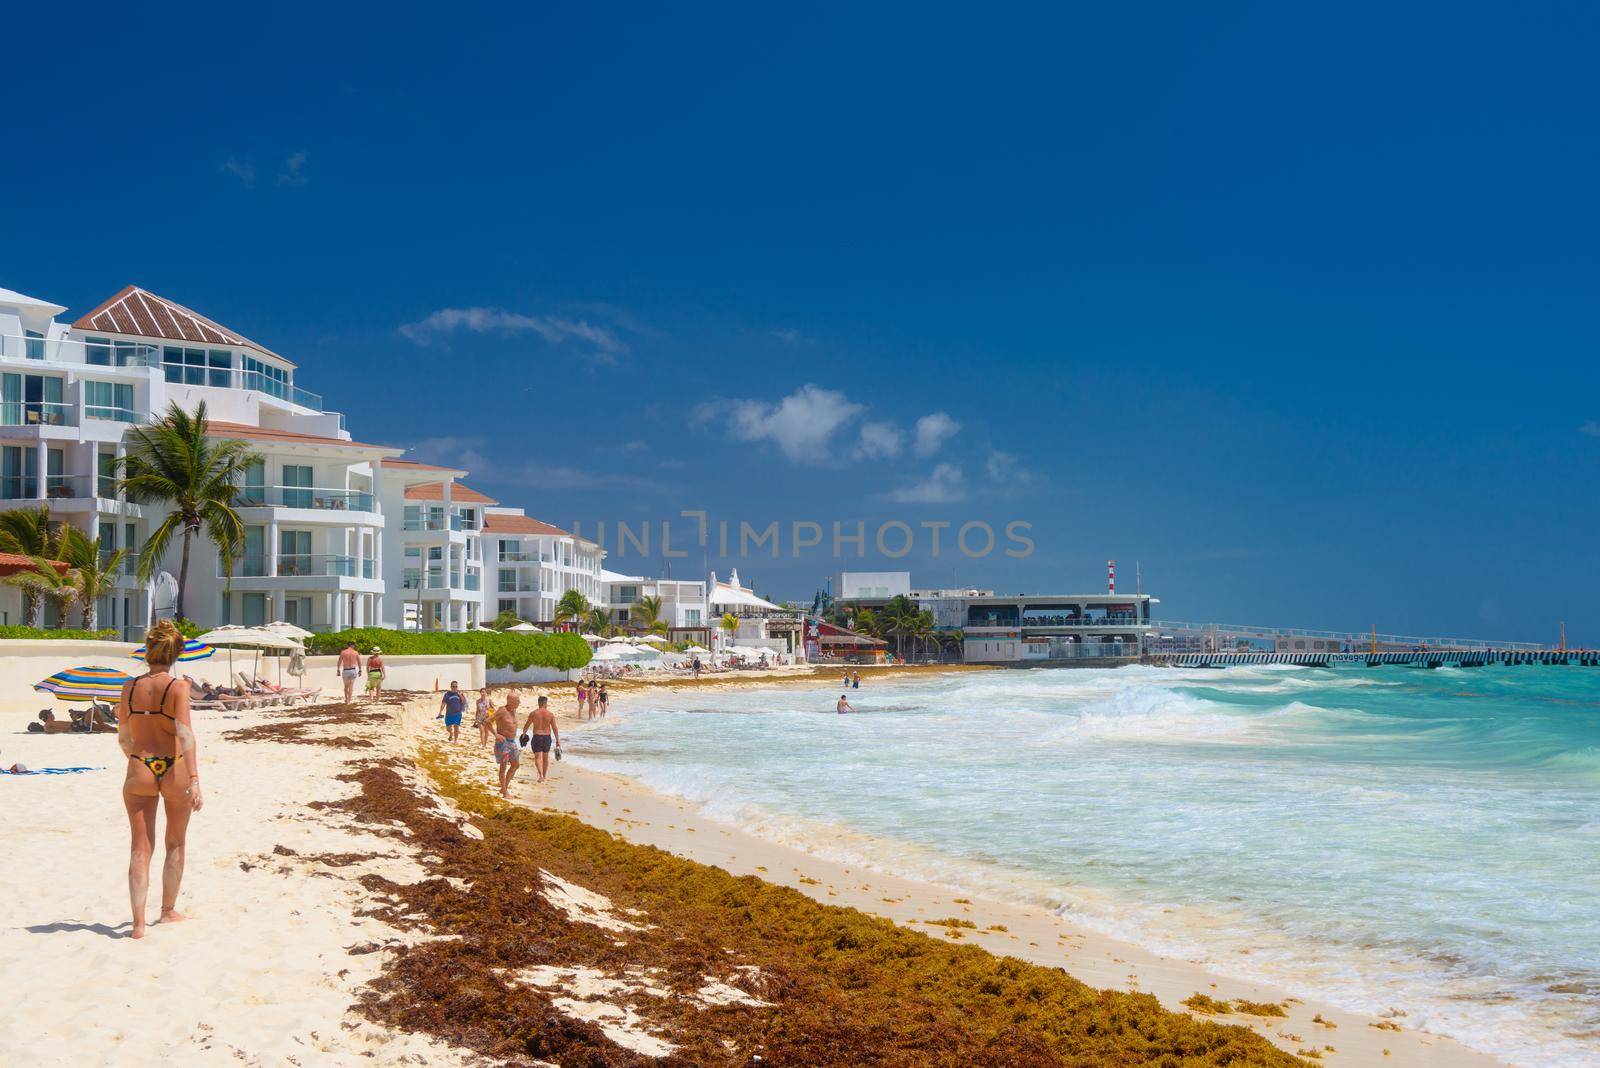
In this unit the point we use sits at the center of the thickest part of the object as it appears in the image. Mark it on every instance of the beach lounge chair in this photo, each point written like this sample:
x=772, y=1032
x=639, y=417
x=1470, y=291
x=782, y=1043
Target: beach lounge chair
x=290, y=694
x=216, y=702
x=265, y=696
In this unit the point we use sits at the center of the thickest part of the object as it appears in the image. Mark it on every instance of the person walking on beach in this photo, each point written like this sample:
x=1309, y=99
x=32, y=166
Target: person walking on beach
x=376, y=673
x=480, y=717
x=856, y=684
x=583, y=699
x=507, y=753
x=538, y=731
x=349, y=668
x=695, y=664
x=604, y=701
x=156, y=735
x=452, y=704
x=844, y=706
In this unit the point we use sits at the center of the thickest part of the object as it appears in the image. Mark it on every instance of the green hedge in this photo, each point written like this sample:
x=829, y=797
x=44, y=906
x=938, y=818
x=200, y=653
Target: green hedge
x=516, y=651
x=39, y=633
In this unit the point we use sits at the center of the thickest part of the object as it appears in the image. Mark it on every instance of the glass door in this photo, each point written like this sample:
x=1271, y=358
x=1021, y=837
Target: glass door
x=296, y=486
x=294, y=552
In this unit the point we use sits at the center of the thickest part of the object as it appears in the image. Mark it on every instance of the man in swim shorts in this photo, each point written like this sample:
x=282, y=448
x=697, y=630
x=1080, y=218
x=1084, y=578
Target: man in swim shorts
x=506, y=751
x=349, y=668
x=453, y=704
x=539, y=729
x=844, y=706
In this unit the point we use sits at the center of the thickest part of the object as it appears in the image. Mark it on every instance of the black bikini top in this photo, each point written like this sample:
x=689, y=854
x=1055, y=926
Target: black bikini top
x=159, y=710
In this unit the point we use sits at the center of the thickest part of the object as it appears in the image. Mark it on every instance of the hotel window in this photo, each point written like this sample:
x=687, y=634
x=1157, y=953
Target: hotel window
x=508, y=606
x=294, y=552
x=34, y=344
x=254, y=490
x=108, y=400
x=187, y=366
x=253, y=562
x=255, y=609
x=508, y=580
x=31, y=400
x=106, y=470
x=220, y=364
x=19, y=473
x=264, y=377
x=296, y=486
x=97, y=352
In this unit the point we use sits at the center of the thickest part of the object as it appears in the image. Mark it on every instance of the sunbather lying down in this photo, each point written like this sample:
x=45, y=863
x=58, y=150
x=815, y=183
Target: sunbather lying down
x=95, y=718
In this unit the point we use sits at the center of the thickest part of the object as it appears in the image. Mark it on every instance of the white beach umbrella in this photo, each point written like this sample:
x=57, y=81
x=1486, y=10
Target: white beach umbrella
x=698, y=650
x=592, y=638
x=604, y=655
x=618, y=641
x=256, y=638
x=654, y=639
x=289, y=629
x=522, y=626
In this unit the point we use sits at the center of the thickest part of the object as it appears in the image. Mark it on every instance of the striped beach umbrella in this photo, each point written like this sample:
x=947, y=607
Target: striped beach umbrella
x=83, y=683
x=192, y=650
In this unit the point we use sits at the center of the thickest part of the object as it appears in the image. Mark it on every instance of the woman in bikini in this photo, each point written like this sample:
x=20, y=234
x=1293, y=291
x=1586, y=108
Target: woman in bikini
x=583, y=699
x=481, y=714
x=154, y=730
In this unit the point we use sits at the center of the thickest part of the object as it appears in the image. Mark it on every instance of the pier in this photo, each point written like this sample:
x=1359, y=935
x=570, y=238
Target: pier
x=1427, y=658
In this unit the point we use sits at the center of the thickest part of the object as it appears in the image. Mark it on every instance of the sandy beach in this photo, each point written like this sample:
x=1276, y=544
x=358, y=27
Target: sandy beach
x=293, y=922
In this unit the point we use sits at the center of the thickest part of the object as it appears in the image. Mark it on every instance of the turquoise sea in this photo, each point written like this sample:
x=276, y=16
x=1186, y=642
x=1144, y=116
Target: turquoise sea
x=1376, y=838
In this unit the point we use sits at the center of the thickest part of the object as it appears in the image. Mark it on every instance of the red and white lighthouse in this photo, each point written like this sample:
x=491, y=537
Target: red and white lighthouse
x=1111, y=576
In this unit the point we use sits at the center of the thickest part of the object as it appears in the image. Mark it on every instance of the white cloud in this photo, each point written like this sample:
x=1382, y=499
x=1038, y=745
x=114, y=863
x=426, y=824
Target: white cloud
x=801, y=424
x=789, y=336
x=945, y=484
x=602, y=341
x=1591, y=428
x=933, y=430
x=1007, y=468
x=293, y=172
x=879, y=441
x=244, y=170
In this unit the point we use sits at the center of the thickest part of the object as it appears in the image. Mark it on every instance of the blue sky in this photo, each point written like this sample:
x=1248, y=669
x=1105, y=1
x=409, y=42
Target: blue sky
x=1296, y=308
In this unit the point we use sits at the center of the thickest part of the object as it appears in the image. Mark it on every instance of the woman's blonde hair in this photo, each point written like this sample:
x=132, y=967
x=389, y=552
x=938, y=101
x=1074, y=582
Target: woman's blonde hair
x=163, y=644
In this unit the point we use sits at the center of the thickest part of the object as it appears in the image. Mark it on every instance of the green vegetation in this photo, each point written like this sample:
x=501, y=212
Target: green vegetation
x=837, y=986
x=511, y=649
x=39, y=633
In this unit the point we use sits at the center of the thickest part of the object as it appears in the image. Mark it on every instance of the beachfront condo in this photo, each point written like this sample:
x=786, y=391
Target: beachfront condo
x=435, y=564
x=71, y=394
x=534, y=564
x=683, y=602
x=338, y=533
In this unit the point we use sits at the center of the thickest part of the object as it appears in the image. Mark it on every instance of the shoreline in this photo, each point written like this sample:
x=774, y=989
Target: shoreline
x=1034, y=932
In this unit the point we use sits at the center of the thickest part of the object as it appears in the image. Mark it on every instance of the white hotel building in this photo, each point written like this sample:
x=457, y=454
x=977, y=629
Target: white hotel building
x=338, y=533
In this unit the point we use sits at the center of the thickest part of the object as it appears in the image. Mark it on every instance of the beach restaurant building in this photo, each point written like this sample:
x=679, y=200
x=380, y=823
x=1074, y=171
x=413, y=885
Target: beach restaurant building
x=1032, y=629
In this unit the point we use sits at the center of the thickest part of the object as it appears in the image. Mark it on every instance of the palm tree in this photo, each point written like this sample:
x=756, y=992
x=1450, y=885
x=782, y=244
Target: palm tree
x=598, y=622
x=174, y=462
x=899, y=617
x=44, y=578
x=572, y=606
x=867, y=622
x=646, y=613
x=924, y=630
x=729, y=625
x=93, y=573
x=26, y=532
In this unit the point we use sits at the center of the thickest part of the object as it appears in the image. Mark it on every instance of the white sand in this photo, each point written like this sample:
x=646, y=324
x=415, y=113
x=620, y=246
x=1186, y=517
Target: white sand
x=260, y=974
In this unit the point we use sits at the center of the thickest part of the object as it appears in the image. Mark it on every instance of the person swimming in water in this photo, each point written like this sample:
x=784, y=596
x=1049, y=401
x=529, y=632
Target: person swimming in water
x=844, y=706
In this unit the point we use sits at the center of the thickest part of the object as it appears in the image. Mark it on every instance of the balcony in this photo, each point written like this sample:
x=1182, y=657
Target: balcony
x=115, y=415
x=97, y=354
x=509, y=557
x=273, y=387
x=434, y=522
x=37, y=413
x=329, y=500
x=302, y=565
x=56, y=487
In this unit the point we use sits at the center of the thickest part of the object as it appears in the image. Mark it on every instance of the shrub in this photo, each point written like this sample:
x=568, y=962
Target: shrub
x=38, y=633
x=514, y=650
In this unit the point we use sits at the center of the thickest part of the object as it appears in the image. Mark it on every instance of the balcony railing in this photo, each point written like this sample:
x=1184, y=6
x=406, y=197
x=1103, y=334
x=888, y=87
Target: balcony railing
x=433, y=522
x=93, y=354
x=303, y=565
x=37, y=413
x=331, y=500
x=277, y=388
x=1115, y=620
x=117, y=415
x=130, y=561
x=56, y=487
x=509, y=557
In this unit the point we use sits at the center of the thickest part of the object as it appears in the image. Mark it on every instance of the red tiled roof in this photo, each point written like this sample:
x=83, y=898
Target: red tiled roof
x=218, y=429
x=15, y=564
x=459, y=494
x=499, y=523
x=141, y=313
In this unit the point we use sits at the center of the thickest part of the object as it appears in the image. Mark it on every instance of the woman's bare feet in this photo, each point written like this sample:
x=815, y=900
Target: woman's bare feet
x=172, y=916
x=137, y=932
